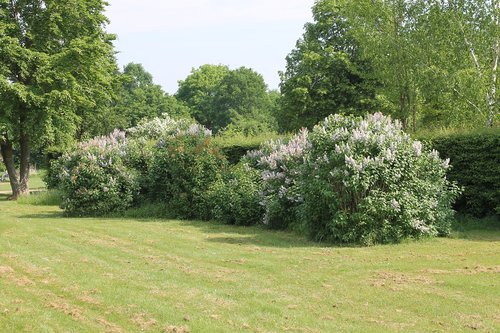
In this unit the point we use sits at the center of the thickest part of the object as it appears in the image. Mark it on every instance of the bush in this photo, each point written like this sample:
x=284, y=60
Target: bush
x=93, y=178
x=234, y=198
x=160, y=127
x=182, y=168
x=366, y=181
x=281, y=166
x=476, y=166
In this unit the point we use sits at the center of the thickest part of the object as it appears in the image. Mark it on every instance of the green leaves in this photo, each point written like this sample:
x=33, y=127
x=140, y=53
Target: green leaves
x=219, y=97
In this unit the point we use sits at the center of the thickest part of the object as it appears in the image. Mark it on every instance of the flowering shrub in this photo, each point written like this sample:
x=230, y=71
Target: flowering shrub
x=93, y=178
x=366, y=181
x=143, y=139
x=165, y=127
x=181, y=170
x=281, y=165
x=234, y=198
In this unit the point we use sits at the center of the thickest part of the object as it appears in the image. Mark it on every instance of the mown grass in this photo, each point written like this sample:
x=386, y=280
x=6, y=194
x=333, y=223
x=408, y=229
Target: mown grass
x=35, y=182
x=129, y=275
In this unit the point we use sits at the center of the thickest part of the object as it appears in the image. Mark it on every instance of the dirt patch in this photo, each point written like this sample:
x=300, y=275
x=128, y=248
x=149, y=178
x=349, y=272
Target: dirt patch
x=466, y=270
x=176, y=329
x=72, y=311
x=4, y=270
x=110, y=327
x=89, y=300
x=144, y=321
x=398, y=281
x=24, y=281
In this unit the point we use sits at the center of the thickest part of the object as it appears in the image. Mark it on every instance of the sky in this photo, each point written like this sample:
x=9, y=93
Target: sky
x=171, y=37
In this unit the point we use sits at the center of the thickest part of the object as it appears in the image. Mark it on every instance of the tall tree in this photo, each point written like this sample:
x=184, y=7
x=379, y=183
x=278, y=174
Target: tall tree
x=139, y=97
x=56, y=69
x=386, y=30
x=219, y=97
x=475, y=28
x=325, y=73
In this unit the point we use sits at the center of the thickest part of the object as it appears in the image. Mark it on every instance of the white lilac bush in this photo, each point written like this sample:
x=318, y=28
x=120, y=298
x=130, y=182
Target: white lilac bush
x=93, y=177
x=366, y=181
x=165, y=127
x=281, y=165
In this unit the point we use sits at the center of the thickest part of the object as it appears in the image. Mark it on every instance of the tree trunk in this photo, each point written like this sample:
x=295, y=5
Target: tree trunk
x=24, y=167
x=24, y=145
x=8, y=160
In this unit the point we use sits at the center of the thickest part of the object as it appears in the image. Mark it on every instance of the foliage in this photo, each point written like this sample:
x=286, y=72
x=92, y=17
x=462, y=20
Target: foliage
x=475, y=157
x=164, y=126
x=281, y=167
x=234, y=198
x=235, y=146
x=181, y=170
x=139, y=98
x=325, y=73
x=219, y=97
x=366, y=181
x=198, y=89
x=93, y=178
x=56, y=75
x=428, y=63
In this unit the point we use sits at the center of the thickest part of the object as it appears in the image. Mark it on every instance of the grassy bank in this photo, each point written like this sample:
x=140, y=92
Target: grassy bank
x=125, y=275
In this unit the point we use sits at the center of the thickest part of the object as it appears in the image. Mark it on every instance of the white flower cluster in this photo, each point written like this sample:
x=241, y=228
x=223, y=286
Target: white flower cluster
x=280, y=163
x=165, y=126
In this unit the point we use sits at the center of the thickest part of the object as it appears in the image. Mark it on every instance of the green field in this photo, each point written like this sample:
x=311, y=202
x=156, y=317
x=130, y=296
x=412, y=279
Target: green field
x=35, y=183
x=122, y=275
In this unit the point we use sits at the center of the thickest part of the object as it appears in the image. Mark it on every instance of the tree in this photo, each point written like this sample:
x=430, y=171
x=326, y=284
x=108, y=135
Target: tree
x=325, y=73
x=219, y=97
x=139, y=97
x=241, y=99
x=428, y=63
x=199, y=89
x=56, y=73
x=473, y=31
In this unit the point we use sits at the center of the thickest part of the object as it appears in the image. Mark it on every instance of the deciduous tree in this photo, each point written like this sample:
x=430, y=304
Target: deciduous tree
x=56, y=68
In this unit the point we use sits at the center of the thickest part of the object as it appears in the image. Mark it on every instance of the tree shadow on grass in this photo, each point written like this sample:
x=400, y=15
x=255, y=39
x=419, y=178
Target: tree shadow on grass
x=252, y=235
x=42, y=215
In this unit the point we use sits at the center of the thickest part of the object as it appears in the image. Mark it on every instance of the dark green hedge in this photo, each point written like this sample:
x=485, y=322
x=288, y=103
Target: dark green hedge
x=235, y=153
x=475, y=158
x=235, y=147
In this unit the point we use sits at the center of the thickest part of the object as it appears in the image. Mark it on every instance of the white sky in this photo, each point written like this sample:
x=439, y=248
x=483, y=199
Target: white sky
x=169, y=37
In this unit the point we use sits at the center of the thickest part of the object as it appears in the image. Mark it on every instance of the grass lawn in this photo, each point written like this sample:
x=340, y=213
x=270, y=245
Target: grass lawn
x=123, y=275
x=35, y=182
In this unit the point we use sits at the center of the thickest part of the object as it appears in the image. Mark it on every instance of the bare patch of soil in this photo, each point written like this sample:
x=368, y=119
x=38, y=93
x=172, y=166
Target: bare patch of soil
x=144, y=321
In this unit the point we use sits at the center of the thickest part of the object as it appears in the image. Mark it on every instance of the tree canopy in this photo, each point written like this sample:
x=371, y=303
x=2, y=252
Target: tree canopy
x=139, y=97
x=325, y=73
x=427, y=63
x=56, y=73
x=219, y=97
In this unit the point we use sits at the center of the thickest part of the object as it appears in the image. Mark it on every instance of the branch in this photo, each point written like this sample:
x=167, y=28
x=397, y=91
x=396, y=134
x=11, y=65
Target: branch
x=467, y=100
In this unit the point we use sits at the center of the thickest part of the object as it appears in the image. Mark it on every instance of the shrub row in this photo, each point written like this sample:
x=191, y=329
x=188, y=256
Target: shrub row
x=475, y=157
x=351, y=180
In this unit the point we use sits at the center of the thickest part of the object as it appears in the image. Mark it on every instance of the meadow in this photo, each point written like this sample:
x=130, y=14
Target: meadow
x=61, y=274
